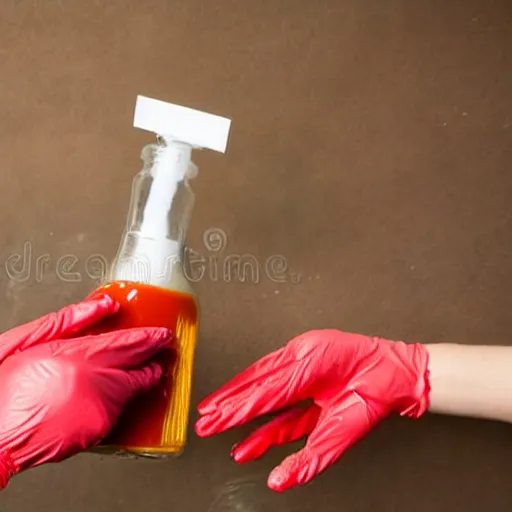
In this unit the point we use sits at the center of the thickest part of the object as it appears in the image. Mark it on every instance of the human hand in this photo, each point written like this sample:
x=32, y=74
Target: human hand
x=355, y=382
x=61, y=393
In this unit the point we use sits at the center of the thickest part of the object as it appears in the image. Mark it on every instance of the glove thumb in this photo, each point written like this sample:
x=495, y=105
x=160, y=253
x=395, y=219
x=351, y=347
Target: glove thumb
x=63, y=323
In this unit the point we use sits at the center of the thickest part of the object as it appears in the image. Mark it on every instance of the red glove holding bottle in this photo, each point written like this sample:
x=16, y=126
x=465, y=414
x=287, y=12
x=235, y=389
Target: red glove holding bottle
x=60, y=392
x=354, y=381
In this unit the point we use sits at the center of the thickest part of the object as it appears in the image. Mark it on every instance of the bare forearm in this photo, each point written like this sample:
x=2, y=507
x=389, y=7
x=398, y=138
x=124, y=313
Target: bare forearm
x=474, y=381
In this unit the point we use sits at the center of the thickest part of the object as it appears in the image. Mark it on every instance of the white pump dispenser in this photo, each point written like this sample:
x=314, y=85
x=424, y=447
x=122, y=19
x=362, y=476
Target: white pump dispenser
x=151, y=251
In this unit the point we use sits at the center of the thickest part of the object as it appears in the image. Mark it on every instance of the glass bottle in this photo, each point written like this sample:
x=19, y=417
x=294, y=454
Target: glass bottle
x=147, y=278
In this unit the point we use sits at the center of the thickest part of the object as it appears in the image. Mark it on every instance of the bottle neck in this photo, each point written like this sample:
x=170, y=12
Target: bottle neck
x=171, y=161
x=166, y=200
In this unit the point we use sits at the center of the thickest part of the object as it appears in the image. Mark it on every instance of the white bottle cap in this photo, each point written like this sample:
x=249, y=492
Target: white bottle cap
x=183, y=124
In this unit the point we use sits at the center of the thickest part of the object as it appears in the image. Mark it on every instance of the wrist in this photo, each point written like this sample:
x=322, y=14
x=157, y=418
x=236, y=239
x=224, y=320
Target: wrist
x=450, y=379
x=471, y=380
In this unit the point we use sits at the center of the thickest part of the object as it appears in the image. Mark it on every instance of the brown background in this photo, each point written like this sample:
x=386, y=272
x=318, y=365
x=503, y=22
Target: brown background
x=371, y=147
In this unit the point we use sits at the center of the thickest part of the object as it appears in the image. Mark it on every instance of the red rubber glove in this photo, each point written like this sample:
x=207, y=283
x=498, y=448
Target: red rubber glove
x=354, y=381
x=61, y=394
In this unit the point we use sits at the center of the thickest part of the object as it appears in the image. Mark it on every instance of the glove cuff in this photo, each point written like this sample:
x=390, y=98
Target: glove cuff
x=411, y=363
x=7, y=469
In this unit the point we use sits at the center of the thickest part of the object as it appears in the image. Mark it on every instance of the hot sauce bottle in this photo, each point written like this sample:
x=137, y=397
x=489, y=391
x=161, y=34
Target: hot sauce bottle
x=147, y=276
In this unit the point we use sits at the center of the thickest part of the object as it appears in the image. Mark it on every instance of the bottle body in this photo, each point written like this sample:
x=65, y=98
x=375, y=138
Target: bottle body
x=155, y=423
x=147, y=279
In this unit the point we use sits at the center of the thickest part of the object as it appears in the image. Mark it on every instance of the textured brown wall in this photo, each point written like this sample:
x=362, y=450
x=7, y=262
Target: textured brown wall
x=371, y=147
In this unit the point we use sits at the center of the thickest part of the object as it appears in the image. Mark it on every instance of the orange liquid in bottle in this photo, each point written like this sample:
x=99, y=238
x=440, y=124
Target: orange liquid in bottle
x=155, y=423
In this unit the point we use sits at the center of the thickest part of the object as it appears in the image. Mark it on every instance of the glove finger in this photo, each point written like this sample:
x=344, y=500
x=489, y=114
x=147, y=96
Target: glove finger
x=275, y=382
x=252, y=375
x=288, y=427
x=336, y=431
x=140, y=380
x=123, y=349
x=118, y=387
x=63, y=323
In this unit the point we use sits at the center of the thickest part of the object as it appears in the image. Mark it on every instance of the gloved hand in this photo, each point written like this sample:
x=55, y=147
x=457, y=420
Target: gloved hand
x=61, y=394
x=355, y=381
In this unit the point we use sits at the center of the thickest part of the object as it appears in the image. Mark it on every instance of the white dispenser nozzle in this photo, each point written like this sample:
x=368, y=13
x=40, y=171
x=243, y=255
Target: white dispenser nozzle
x=182, y=124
